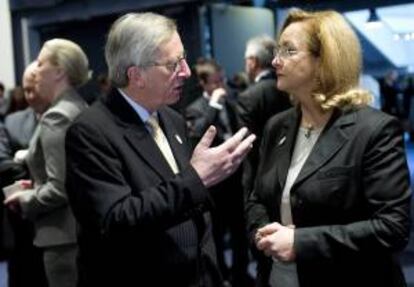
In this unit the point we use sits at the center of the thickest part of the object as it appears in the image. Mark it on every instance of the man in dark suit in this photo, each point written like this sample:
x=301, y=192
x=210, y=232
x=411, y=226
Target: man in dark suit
x=17, y=131
x=261, y=100
x=24, y=260
x=138, y=194
x=216, y=106
x=15, y=135
x=25, y=264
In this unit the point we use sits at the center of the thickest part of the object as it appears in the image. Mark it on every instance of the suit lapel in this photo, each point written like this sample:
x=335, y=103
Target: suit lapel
x=144, y=145
x=175, y=139
x=137, y=135
x=286, y=143
x=331, y=140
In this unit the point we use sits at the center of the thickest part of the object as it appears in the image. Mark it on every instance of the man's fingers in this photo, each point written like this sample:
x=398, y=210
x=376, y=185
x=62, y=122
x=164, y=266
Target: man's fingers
x=219, y=92
x=207, y=138
x=244, y=147
x=235, y=140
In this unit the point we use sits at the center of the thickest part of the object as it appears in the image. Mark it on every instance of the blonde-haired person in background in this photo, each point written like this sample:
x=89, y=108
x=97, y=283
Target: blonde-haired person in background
x=62, y=67
x=331, y=201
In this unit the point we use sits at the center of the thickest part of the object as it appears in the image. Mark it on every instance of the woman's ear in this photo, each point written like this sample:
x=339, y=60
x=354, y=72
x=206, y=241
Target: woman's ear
x=59, y=73
x=317, y=73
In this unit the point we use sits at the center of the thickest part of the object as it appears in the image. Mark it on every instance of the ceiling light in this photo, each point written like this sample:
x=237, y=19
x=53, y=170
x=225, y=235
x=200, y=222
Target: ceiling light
x=408, y=36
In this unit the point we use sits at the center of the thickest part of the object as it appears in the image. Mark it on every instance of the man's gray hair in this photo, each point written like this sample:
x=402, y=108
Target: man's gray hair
x=262, y=48
x=134, y=40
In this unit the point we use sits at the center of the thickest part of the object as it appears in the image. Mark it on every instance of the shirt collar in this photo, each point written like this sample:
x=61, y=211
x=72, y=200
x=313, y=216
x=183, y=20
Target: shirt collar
x=140, y=110
x=205, y=95
x=261, y=75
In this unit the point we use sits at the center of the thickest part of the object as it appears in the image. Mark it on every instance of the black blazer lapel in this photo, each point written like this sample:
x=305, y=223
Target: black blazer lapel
x=176, y=139
x=145, y=146
x=136, y=134
x=329, y=143
x=286, y=143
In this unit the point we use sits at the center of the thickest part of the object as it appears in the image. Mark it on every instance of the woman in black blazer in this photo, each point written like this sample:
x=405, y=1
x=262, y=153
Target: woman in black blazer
x=330, y=206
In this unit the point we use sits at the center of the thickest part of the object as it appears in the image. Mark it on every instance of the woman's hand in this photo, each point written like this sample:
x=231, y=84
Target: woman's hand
x=276, y=240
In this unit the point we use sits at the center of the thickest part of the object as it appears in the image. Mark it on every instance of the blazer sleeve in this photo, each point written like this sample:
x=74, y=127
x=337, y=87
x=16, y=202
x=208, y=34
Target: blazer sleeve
x=256, y=211
x=386, y=190
x=50, y=194
x=104, y=199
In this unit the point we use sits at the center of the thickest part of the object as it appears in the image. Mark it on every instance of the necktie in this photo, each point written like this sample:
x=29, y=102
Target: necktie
x=162, y=142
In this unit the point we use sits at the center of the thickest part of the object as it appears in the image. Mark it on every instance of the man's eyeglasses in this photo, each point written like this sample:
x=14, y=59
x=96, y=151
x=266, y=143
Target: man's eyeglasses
x=284, y=52
x=174, y=67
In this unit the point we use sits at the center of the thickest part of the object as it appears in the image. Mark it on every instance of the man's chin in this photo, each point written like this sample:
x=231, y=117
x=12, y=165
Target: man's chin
x=175, y=96
x=174, y=100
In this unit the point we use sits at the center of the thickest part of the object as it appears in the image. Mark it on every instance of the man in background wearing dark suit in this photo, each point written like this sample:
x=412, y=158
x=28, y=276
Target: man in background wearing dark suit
x=139, y=196
x=261, y=100
x=216, y=106
x=25, y=264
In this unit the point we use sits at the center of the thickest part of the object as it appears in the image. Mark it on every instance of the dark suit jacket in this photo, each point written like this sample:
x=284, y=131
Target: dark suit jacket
x=255, y=107
x=140, y=225
x=15, y=134
x=200, y=115
x=350, y=202
x=20, y=127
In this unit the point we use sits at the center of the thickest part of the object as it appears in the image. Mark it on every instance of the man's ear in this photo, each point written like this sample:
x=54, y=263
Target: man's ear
x=255, y=63
x=136, y=75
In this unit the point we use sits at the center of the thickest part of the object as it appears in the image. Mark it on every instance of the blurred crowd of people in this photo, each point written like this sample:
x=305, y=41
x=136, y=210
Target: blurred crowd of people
x=77, y=185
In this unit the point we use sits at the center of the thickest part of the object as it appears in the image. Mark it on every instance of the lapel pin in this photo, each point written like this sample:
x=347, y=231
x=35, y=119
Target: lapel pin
x=179, y=139
x=282, y=140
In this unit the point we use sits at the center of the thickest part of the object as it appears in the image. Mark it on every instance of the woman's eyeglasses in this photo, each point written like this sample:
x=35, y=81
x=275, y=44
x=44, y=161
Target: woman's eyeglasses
x=284, y=52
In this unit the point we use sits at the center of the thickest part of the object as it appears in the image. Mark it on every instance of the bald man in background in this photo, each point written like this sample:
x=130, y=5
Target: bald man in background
x=18, y=127
x=24, y=260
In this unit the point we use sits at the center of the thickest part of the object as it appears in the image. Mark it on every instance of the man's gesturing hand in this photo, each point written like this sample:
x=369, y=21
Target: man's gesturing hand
x=213, y=164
